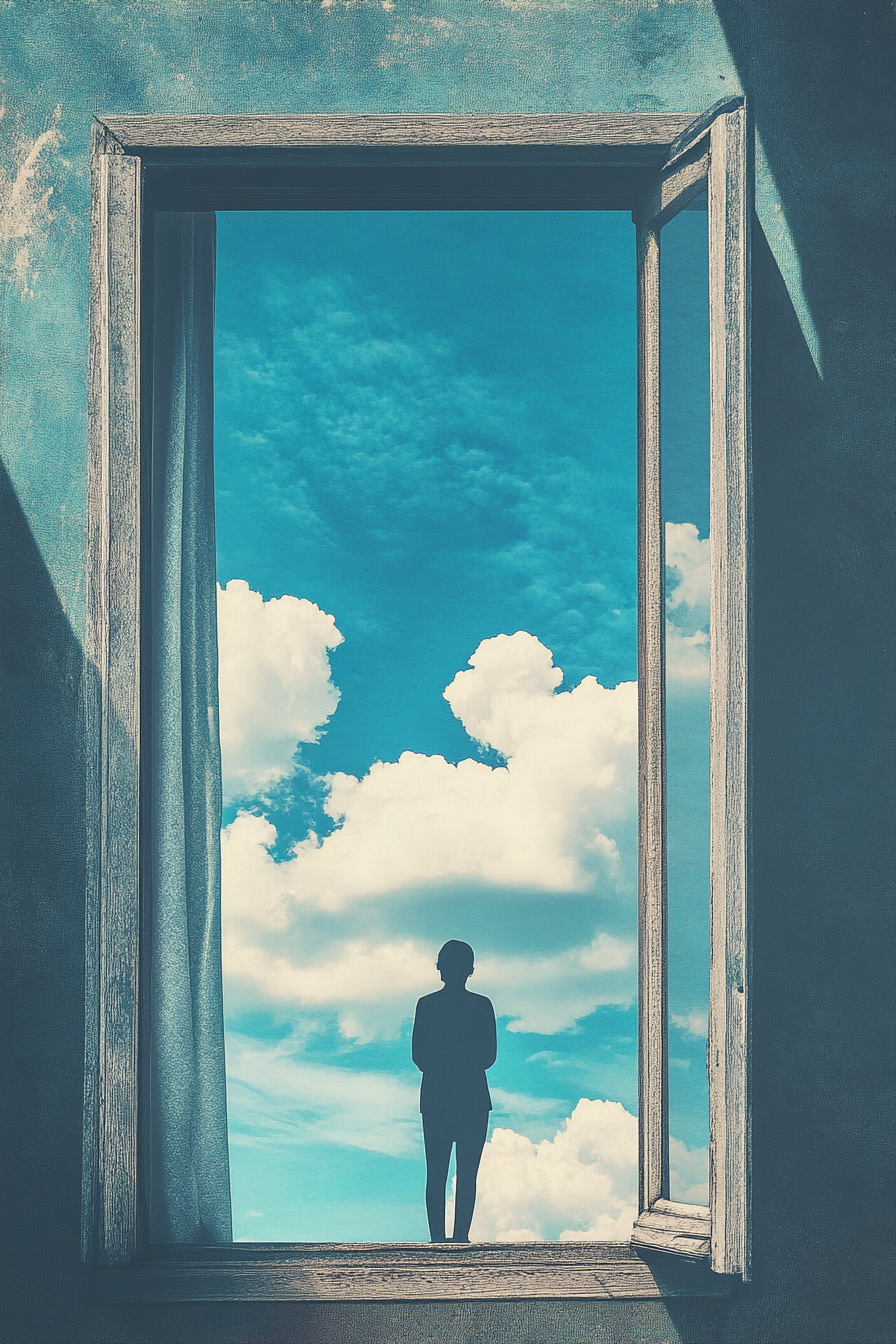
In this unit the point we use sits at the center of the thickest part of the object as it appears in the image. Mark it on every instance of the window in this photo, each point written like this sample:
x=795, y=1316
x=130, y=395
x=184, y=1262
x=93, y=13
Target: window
x=609, y=162
x=425, y=454
x=715, y=161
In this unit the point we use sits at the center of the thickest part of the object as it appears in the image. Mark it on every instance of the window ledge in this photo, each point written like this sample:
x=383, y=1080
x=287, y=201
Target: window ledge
x=410, y=1272
x=684, y=1229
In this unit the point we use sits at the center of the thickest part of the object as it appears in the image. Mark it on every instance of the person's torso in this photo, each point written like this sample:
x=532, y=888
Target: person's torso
x=458, y=1037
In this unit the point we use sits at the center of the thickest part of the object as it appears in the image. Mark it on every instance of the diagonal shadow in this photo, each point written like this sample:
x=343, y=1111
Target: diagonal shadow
x=41, y=918
x=818, y=79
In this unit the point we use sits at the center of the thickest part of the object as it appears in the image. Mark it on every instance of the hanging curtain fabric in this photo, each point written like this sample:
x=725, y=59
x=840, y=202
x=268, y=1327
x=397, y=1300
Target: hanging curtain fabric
x=189, y=1171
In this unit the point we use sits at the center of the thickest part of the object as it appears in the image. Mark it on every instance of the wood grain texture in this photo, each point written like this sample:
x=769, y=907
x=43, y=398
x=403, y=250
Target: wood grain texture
x=729, y=215
x=228, y=132
x=409, y=1273
x=113, y=649
x=676, y=186
x=681, y=1228
x=96, y=641
x=102, y=140
x=110, y=1179
x=653, y=1078
x=719, y=159
x=701, y=126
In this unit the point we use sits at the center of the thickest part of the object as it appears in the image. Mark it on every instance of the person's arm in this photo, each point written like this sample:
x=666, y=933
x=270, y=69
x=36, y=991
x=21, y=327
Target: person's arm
x=489, y=1036
x=421, y=1039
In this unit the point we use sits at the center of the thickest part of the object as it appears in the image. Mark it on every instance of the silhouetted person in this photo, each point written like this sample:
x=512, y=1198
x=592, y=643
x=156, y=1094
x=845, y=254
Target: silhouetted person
x=455, y=1041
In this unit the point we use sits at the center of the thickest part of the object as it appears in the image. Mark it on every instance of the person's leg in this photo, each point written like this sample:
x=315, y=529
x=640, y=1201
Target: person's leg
x=437, y=1141
x=470, y=1142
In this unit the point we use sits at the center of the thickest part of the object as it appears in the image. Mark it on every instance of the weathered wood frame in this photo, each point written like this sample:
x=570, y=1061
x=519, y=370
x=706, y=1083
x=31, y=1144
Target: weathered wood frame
x=714, y=159
x=120, y=1265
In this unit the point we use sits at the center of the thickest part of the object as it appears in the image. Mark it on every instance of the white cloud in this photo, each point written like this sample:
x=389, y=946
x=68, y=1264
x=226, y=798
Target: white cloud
x=693, y=1022
x=524, y=1107
x=688, y=555
x=544, y=821
x=550, y=994
x=581, y=1185
x=688, y=1173
x=372, y=986
x=277, y=1097
x=687, y=656
x=559, y=818
x=274, y=683
x=687, y=604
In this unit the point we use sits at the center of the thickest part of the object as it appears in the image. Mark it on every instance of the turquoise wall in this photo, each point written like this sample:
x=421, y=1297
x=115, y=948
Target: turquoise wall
x=69, y=60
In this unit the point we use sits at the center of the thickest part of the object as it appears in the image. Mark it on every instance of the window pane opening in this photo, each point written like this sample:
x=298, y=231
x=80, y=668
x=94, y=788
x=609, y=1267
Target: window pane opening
x=426, y=529
x=684, y=364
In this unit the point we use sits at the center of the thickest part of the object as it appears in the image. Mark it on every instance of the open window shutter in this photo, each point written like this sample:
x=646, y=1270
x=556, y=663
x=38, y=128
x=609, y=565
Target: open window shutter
x=711, y=154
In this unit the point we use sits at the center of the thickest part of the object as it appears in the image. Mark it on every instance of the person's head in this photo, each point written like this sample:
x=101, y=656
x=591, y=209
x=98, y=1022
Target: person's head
x=455, y=963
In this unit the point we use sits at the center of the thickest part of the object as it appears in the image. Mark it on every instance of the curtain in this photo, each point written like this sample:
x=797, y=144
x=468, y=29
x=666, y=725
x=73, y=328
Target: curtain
x=189, y=1171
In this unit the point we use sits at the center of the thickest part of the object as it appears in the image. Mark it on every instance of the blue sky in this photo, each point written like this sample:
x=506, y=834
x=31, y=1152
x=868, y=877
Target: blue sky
x=425, y=455
x=684, y=389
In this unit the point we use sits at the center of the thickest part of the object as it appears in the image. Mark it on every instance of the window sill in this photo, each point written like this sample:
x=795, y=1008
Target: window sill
x=683, y=1229
x=410, y=1272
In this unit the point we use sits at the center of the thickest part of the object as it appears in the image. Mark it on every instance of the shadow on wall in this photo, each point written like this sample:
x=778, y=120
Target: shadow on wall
x=818, y=77
x=42, y=895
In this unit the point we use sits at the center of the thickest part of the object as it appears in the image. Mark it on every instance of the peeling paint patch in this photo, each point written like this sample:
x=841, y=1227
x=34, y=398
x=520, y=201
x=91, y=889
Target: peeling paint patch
x=25, y=204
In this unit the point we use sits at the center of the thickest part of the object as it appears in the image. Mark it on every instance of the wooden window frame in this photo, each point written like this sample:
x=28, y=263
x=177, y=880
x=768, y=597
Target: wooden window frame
x=712, y=157
x=656, y=162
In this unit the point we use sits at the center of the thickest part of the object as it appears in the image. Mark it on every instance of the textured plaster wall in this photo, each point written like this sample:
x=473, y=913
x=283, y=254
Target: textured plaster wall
x=819, y=75
x=68, y=60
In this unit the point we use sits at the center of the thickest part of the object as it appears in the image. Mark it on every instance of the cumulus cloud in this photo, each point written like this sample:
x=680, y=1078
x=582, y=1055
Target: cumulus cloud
x=688, y=555
x=544, y=820
x=688, y=1173
x=274, y=683
x=581, y=1185
x=558, y=818
x=687, y=604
